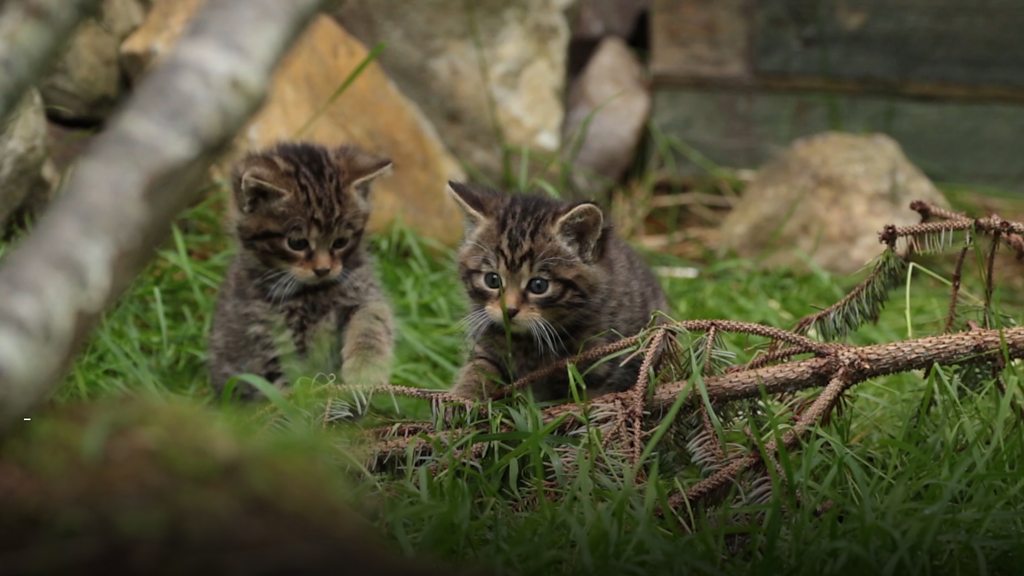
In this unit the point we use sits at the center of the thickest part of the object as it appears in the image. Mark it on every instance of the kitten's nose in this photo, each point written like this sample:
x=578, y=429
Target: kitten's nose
x=321, y=272
x=512, y=312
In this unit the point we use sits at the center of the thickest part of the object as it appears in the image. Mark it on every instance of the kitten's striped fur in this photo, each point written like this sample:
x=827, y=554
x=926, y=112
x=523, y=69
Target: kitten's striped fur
x=302, y=266
x=566, y=283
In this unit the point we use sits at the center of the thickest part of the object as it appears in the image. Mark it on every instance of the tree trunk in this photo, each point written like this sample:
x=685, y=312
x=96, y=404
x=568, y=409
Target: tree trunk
x=122, y=195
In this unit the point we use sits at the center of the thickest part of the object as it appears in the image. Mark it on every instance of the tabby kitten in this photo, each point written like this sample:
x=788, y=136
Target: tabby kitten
x=546, y=279
x=302, y=267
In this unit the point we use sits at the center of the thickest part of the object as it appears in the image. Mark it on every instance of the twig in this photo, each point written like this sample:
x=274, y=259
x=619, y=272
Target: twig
x=989, y=278
x=560, y=365
x=638, y=393
x=929, y=211
x=822, y=405
x=705, y=414
x=955, y=290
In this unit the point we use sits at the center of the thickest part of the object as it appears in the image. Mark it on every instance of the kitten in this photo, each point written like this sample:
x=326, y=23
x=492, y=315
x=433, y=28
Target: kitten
x=562, y=279
x=302, y=266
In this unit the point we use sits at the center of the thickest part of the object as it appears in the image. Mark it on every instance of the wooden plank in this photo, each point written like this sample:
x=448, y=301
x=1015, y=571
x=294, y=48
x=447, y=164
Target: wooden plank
x=700, y=38
x=951, y=141
x=892, y=41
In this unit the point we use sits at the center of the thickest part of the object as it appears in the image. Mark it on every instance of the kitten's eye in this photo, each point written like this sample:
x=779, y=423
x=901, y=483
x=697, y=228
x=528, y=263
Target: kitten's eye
x=538, y=285
x=492, y=280
x=339, y=243
x=298, y=244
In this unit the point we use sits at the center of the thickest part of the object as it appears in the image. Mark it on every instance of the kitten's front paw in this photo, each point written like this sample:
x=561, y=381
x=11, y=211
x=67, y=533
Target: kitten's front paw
x=474, y=385
x=365, y=374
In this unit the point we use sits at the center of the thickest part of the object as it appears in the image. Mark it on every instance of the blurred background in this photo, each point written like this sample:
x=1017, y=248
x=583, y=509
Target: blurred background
x=663, y=110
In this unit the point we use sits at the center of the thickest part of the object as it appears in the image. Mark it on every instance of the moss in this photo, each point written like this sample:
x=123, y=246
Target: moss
x=171, y=487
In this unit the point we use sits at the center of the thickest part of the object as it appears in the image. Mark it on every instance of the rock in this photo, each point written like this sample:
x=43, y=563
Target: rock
x=600, y=18
x=608, y=108
x=824, y=200
x=431, y=53
x=163, y=25
x=371, y=113
x=27, y=178
x=86, y=82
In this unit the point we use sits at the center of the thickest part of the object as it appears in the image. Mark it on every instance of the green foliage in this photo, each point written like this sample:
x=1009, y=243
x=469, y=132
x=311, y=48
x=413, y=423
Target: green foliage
x=920, y=473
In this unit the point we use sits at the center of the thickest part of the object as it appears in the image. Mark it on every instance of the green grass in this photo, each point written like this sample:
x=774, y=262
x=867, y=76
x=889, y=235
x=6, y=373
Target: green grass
x=924, y=474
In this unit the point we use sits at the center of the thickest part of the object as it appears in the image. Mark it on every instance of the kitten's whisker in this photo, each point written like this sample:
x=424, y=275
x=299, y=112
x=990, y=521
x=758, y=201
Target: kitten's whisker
x=538, y=339
x=475, y=323
x=551, y=336
x=276, y=287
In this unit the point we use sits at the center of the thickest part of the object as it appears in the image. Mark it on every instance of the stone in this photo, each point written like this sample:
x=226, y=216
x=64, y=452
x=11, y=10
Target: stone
x=608, y=108
x=85, y=84
x=431, y=52
x=824, y=201
x=163, y=25
x=27, y=178
x=371, y=113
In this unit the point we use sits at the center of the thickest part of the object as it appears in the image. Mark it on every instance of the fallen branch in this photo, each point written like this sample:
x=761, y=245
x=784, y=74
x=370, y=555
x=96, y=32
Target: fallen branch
x=625, y=419
x=119, y=201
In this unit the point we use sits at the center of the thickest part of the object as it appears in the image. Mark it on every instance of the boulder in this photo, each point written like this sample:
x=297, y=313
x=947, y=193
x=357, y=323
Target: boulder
x=608, y=108
x=476, y=68
x=86, y=82
x=372, y=113
x=824, y=200
x=27, y=178
x=163, y=25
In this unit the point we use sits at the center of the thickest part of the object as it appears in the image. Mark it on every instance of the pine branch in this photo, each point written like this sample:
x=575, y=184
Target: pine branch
x=624, y=419
x=954, y=297
x=863, y=304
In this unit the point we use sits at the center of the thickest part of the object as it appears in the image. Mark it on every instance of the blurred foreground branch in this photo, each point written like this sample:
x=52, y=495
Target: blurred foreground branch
x=146, y=167
x=32, y=33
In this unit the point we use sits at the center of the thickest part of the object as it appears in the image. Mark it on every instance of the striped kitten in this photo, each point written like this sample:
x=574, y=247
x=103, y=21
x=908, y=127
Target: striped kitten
x=558, y=279
x=302, y=268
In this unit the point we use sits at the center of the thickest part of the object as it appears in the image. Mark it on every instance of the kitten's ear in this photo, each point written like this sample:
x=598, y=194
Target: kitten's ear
x=256, y=184
x=472, y=202
x=581, y=228
x=363, y=168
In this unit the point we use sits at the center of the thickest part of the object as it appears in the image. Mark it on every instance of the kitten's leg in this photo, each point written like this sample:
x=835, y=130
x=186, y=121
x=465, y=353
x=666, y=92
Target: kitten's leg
x=368, y=344
x=479, y=379
x=237, y=349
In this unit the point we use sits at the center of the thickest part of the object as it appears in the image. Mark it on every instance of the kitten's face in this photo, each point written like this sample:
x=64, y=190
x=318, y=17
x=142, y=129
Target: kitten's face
x=528, y=263
x=303, y=209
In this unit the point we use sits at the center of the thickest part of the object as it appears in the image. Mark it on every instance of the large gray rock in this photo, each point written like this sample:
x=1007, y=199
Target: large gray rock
x=824, y=200
x=432, y=54
x=608, y=108
x=86, y=82
x=26, y=177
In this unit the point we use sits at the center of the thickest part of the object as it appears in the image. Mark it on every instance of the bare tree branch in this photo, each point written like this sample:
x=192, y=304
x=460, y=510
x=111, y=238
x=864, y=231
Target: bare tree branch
x=863, y=363
x=136, y=177
x=32, y=33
